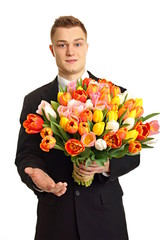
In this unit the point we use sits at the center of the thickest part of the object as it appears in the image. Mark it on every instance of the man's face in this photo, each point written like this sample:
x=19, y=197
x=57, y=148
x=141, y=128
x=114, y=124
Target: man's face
x=69, y=49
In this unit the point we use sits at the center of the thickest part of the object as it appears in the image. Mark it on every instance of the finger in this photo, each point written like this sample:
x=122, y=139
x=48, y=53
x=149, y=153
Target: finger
x=29, y=170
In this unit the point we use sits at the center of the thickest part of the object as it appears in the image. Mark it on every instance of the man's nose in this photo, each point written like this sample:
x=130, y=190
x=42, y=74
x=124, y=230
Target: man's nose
x=70, y=50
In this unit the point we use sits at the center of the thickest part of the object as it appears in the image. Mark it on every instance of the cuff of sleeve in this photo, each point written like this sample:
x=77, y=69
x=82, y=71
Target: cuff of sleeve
x=105, y=174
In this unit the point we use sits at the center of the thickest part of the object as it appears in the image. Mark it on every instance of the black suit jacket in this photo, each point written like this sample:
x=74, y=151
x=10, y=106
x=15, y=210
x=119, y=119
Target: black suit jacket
x=93, y=213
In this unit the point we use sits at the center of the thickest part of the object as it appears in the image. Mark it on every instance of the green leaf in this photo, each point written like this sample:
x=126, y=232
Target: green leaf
x=105, y=111
x=85, y=87
x=60, y=88
x=63, y=134
x=44, y=116
x=105, y=132
x=54, y=105
x=121, y=118
x=90, y=125
x=146, y=146
x=56, y=146
x=143, y=119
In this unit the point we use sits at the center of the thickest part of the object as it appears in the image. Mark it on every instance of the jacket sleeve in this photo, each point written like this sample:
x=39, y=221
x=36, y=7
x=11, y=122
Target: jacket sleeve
x=28, y=151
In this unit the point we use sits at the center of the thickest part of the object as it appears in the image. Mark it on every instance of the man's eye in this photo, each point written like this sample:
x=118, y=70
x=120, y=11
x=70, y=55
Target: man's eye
x=62, y=45
x=78, y=44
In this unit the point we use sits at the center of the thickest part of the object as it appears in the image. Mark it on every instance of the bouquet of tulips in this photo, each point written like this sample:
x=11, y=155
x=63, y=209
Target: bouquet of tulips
x=92, y=121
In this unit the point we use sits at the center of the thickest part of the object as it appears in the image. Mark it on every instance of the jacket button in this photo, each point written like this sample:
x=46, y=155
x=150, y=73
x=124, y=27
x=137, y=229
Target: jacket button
x=77, y=193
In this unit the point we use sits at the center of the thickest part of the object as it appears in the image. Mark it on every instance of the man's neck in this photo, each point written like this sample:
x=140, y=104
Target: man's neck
x=71, y=77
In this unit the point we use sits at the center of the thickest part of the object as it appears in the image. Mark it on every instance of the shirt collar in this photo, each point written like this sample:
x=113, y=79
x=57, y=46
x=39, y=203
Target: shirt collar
x=64, y=82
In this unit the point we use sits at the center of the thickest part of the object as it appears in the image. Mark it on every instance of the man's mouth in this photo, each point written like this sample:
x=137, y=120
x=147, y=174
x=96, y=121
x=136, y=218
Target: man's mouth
x=71, y=61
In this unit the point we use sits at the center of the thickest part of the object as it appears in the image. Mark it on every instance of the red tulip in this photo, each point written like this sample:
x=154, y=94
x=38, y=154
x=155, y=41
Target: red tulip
x=33, y=124
x=74, y=147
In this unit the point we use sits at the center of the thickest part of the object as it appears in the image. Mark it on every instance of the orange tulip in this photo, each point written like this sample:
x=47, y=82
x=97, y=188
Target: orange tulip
x=86, y=115
x=64, y=98
x=47, y=143
x=122, y=132
x=33, y=124
x=134, y=147
x=130, y=104
x=105, y=97
x=92, y=88
x=142, y=129
x=74, y=147
x=72, y=126
x=112, y=140
x=47, y=131
x=83, y=128
x=80, y=95
x=115, y=90
x=121, y=111
x=139, y=111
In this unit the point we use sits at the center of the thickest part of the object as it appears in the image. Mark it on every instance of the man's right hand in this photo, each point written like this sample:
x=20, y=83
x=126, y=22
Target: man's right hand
x=45, y=183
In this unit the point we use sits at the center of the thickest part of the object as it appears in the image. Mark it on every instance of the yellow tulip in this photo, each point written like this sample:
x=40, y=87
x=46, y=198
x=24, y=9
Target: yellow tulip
x=80, y=88
x=115, y=100
x=97, y=116
x=63, y=122
x=132, y=114
x=139, y=102
x=98, y=128
x=132, y=135
x=113, y=115
x=59, y=95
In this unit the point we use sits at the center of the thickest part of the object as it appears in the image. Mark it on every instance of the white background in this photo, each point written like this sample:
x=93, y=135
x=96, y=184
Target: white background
x=124, y=47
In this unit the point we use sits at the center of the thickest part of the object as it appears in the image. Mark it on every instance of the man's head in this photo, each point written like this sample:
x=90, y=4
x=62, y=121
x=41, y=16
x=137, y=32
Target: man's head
x=67, y=22
x=69, y=46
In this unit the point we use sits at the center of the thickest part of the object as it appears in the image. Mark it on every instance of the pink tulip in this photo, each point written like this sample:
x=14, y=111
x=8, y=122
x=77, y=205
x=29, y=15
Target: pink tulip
x=64, y=111
x=42, y=106
x=71, y=87
x=88, y=139
x=77, y=108
x=154, y=127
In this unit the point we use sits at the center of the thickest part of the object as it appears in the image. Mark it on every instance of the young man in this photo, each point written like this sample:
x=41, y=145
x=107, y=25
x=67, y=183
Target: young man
x=65, y=209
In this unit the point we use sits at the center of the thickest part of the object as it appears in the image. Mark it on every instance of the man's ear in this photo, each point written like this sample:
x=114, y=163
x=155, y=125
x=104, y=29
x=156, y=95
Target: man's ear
x=51, y=49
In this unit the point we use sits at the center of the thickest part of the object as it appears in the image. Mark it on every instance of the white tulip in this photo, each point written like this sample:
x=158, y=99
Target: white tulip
x=113, y=125
x=49, y=110
x=100, y=144
x=89, y=104
x=129, y=121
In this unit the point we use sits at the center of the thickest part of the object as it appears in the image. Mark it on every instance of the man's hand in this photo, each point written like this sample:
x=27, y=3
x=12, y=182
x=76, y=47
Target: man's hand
x=93, y=168
x=46, y=183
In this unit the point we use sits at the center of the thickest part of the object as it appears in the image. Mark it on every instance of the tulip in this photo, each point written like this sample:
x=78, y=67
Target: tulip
x=86, y=115
x=86, y=81
x=83, y=128
x=77, y=107
x=129, y=121
x=113, y=126
x=115, y=90
x=47, y=131
x=49, y=111
x=139, y=111
x=130, y=104
x=92, y=88
x=139, y=102
x=122, y=132
x=47, y=143
x=72, y=126
x=100, y=144
x=131, y=136
x=89, y=104
x=74, y=147
x=134, y=147
x=106, y=97
x=132, y=114
x=121, y=111
x=59, y=95
x=113, y=115
x=71, y=86
x=143, y=130
x=64, y=111
x=33, y=124
x=63, y=123
x=115, y=100
x=41, y=106
x=112, y=140
x=80, y=95
x=95, y=97
x=104, y=90
x=97, y=116
x=123, y=96
x=101, y=105
x=73, y=117
x=98, y=128
x=88, y=139
x=154, y=127
x=64, y=98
